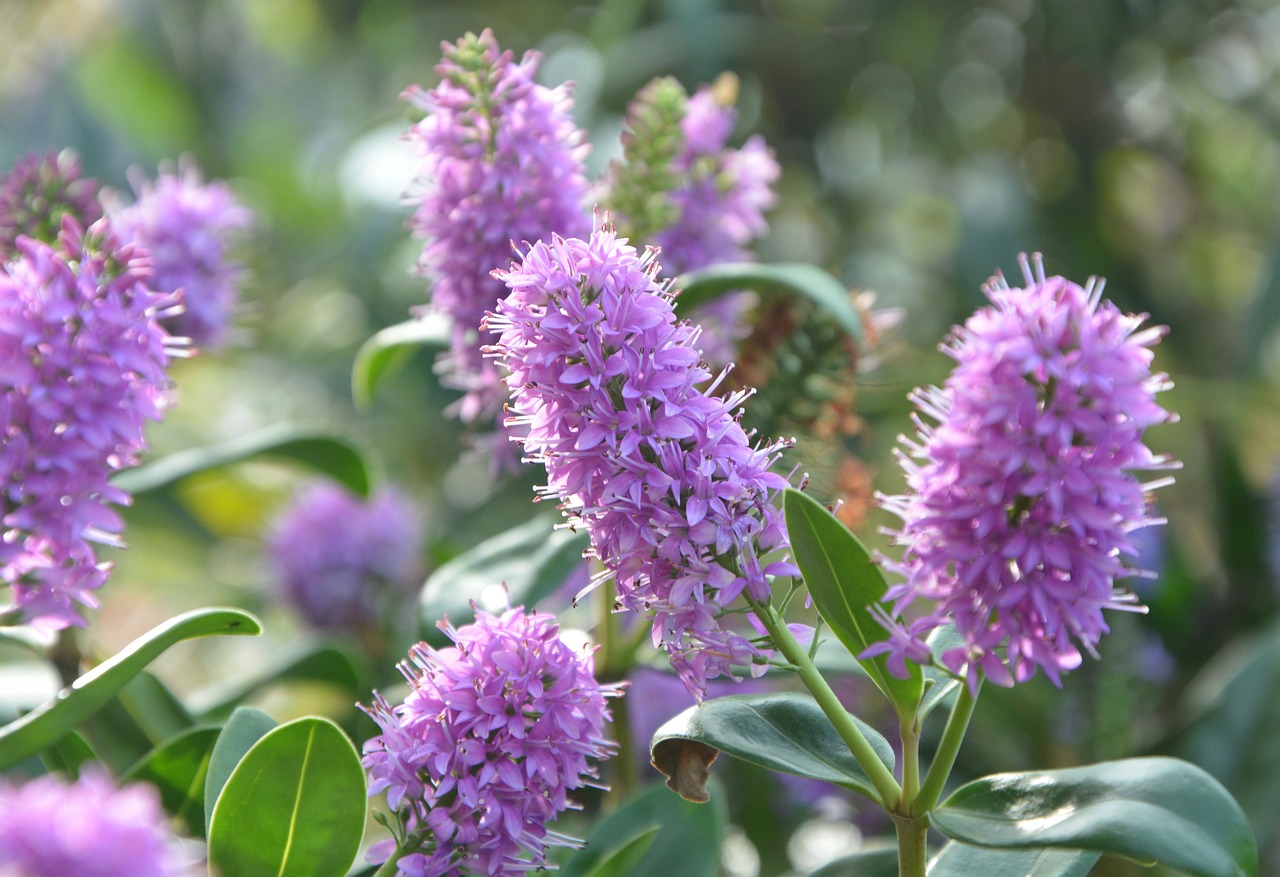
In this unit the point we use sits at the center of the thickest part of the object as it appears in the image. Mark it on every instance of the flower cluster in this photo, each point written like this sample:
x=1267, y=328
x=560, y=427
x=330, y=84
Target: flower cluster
x=500, y=161
x=82, y=368
x=51, y=828
x=186, y=226
x=661, y=474
x=345, y=563
x=683, y=188
x=481, y=755
x=1021, y=506
x=37, y=193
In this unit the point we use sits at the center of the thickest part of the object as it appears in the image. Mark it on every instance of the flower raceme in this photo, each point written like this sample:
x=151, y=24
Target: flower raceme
x=344, y=563
x=83, y=363
x=604, y=379
x=500, y=159
x=186, y=226
x=1021, y=504
x=481, y=755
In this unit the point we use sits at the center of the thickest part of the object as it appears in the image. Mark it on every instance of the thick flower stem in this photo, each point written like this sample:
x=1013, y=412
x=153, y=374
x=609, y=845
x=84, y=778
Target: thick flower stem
x=890, y=793
x=945, y=758
x=913, y=853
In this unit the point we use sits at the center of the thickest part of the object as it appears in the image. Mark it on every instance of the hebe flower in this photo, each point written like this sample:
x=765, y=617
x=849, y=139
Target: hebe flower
x=89, y=828
x=1021, y=505
x=37, y=193
x=500, y=161
x=659, y=472
x=702, y=202
x=495, y=731
x=344, y=563
x=724, y=193
x=187, y=226
x=82, y=368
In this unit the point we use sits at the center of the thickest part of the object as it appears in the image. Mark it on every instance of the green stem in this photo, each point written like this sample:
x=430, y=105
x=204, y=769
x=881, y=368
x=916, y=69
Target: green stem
x=913, y=853
x=909, y=726
x=948, y=748
x=616, y=658
x=881, y=777
x=412, y=843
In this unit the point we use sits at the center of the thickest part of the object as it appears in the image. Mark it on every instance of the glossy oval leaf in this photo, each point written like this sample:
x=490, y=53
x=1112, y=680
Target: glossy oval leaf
x=797, y=278
x=390, y=348
x=245, y=728
x=962, y=860
x=178, y=769
x=50, y=722
x=686, y=844
x=1148, y=809
x=786, y=732
x=533, y=560
x=844, y=580
x=328, y=454
x=293, y=807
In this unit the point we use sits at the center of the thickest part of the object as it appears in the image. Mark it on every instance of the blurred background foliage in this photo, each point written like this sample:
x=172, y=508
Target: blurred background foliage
x=923, y=144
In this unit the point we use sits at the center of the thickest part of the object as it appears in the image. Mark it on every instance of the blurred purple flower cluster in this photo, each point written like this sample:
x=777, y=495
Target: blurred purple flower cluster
x=1021, y=503
x=495, y=732
x=83, y=360
x=52, y=828
x=676, y=499
x=500, y=160
x=345, y=563
x=186, y=226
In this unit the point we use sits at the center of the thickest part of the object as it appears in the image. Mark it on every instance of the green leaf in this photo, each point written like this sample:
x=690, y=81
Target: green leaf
x=389, y=349
x=1233, y=728
x=1148, y=809
x=622, y=859
x=293, y=806
x=307, y=662
x=944, y=686
x=532, y=560
x=178, y=768
x=328, y=454
x=50, y=722
x=686, y=844
x=962, y=860
x=844, y=581
x=786, y=732
x=872, y=863
x=68, y=755
x=143, y=714
x=811, y=281
x=245, y=728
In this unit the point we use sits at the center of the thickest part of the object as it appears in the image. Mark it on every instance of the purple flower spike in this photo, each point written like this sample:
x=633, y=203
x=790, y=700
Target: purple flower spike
x=344, y=563
x=187, y=225
x=37, y=193
x=82, y=368
x=1021, y=507
x=661, y=474
x=500, y=161
x=495, y=732
x=51, y=828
